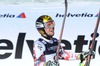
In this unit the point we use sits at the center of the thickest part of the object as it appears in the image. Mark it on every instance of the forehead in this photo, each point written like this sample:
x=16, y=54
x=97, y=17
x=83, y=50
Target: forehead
x=50, y=22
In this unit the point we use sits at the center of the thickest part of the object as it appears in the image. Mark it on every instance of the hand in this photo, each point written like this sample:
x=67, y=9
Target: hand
x=50, y=63
x=84, y=55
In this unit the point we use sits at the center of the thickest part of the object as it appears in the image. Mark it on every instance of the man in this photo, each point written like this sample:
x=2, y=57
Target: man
x=46, y=46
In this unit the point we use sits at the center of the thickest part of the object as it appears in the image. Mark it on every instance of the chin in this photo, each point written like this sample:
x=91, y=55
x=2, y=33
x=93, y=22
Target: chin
x=52, y=35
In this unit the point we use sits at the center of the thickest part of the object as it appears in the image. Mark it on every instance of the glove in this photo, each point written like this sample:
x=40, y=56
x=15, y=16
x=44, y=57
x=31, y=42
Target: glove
x=84, y=55
x=50, y=63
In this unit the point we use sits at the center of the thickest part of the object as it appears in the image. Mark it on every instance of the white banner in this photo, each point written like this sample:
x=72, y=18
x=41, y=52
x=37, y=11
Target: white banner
x=18, y=31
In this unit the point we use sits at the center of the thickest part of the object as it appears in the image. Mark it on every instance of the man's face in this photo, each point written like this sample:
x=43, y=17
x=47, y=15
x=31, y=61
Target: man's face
x=49, y=28
x=49, y=31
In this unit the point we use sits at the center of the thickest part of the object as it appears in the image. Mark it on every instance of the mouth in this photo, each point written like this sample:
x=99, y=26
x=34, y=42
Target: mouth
x=51, y=30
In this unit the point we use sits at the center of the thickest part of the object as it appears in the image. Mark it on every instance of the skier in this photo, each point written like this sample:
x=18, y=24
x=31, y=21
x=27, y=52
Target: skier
x=46, y=46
